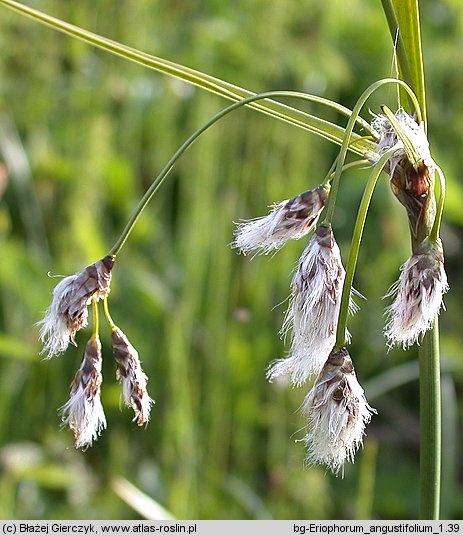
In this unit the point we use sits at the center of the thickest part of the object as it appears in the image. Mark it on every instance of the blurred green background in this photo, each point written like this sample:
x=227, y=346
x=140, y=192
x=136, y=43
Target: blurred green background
x=82, y=134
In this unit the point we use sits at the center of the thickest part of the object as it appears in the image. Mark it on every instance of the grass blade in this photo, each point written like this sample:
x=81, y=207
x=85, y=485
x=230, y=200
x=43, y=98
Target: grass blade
x=275, y=109
x=146, y=506
x=404, y=15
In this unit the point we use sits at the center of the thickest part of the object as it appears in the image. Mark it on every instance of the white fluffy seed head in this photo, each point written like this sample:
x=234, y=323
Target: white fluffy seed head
x=412, y=171
x=83, y=412
x=290, y=219
x=131, y=376
x=313, y=310
x=337, y=413
x=388, y=139
x=418, y=295
x=68, y=313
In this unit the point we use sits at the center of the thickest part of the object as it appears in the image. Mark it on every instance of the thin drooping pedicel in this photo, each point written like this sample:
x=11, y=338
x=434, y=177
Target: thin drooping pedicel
x=68, y=313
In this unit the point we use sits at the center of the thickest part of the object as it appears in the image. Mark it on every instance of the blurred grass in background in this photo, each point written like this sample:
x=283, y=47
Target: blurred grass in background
x=82, y=134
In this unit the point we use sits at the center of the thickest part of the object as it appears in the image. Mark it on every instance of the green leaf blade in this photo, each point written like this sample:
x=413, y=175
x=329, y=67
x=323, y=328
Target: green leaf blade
x=408, y=18
x=283, y=112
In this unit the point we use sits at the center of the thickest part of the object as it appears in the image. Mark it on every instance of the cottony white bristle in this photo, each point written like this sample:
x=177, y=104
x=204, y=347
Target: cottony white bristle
x=389, y=139
x=55, y=332
x=313, y=310
x=132, y=377
x=83, y=412
x=337, y=413
x=418, y=296
x=84, y=417
x=289, y=220
x=68, y=313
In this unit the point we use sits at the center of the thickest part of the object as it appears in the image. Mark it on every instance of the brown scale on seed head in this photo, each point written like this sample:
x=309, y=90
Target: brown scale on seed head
x=306, y=206
x=288, y=220
x=411, y=182
x=417, y=295
x=131, y=376
x=337, y=413
x=68, y=313
x=312, y=314
x=96, y=278
x=83, y=412
x=415, y=182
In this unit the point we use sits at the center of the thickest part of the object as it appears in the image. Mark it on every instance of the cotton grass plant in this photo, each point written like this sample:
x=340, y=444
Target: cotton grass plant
x=335, y=407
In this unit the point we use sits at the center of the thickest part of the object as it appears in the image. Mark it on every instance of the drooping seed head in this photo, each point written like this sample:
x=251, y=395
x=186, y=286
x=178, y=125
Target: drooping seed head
x=68, y=313
x=337, y=413
x=416, y=135
x=313, y=310
x=131, y=376
x=83, y=412
x=290, y=219
x=412, y=182
x=417, y=295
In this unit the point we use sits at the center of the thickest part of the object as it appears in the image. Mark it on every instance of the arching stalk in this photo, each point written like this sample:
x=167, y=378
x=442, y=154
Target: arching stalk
x=355, y=247
x=165, y=171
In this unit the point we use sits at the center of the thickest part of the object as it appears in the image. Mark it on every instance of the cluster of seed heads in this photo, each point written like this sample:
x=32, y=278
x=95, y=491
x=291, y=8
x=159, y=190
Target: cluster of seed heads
x=336, y=409
x=67, y=314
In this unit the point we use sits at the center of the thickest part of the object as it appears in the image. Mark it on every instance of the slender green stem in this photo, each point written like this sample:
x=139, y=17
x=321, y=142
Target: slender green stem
x=355, y=247
x=404, y=25
x=107, y=314
x=393, y=24
x=356, y=164
x=430, y=400
x=410, y=58
x=329, y=176
x=434, y=234
x=165, y=171
x=331, y=172
x=351, y=165
x=230, y=91
x=96, y=321
x=349, y=129
x=430, y=425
